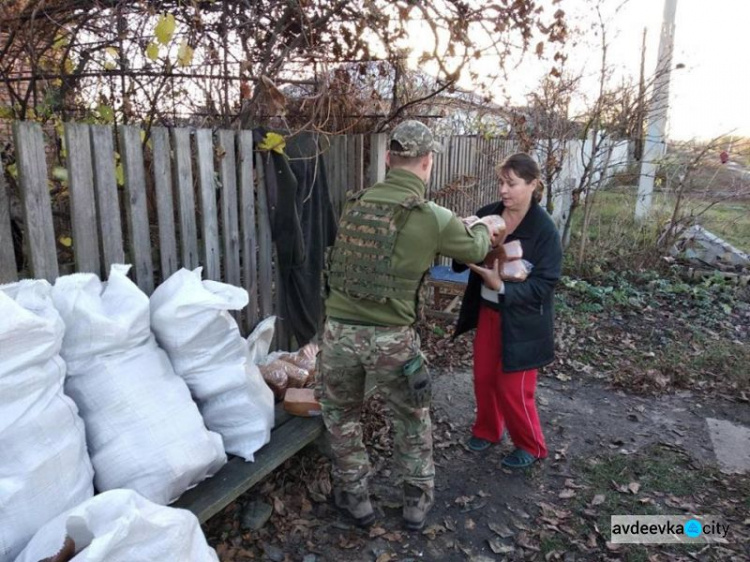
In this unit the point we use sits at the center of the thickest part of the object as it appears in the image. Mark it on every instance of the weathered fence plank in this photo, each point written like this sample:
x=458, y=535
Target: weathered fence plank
x=358, y=164
x=162, y=168
x=229, y=212
x=107, y=197
x=136, y=207
x=82, y=199
x=378, y=148
x=32, y=169
x=183, y=163
x=8, y=266
x=210, y=222
x=248, y=230
x=265, y=248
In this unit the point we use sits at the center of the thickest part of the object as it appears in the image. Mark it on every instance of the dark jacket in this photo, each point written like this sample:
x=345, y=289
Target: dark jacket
x=303, y=225
x=527, y=308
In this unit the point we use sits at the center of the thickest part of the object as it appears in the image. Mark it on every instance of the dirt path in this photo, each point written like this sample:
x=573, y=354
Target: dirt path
x=610, y=453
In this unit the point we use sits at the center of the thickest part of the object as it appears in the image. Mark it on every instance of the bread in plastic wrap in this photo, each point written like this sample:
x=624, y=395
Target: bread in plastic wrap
x=516, y=270
x=513, y=250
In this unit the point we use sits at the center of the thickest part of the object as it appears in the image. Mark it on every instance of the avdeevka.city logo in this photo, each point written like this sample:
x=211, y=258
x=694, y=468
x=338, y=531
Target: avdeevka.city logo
x=664, y=529
x=693, y=528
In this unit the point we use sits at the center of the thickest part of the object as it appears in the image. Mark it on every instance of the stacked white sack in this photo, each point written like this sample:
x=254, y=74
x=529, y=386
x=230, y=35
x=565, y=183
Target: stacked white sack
x=44, y=467
x=143, y=430
x=192, y=324
x=122, y=526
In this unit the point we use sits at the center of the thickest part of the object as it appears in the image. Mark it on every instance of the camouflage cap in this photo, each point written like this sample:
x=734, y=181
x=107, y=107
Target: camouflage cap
x=411, y=139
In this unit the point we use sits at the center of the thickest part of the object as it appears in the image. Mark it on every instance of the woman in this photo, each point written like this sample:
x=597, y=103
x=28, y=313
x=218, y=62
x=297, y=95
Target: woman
x=514, y=320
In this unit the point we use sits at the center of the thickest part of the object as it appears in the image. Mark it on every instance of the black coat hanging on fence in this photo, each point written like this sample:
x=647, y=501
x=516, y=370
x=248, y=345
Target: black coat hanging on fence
x=303, y=225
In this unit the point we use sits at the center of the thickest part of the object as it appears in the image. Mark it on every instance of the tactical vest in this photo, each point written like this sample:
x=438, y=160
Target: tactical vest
x=360, y=263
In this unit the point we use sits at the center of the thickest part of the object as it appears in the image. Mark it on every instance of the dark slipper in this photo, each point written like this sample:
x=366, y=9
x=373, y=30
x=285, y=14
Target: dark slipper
x=477, y=444
x=519, y=459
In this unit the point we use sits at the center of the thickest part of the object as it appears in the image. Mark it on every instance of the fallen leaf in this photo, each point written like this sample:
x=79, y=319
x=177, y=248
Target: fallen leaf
x=278, y=506
x=463, y=500
x=591, y=541
x=385, y=557
x=499, y=548
x=522, y=540
x=501, y=529
x=470, y=525
x=567, y=494
x=377, y=532
x=598, y=499
x=634, y=487
x=433, y=531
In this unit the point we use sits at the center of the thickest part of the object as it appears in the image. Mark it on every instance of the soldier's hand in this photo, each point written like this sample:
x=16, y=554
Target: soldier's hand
x=496, y=226
x=420, y=382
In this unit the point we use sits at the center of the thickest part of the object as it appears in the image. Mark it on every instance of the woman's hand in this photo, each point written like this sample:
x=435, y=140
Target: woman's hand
x=490, y=276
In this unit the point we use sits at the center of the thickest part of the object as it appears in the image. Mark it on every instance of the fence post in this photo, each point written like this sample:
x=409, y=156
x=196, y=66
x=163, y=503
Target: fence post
x=136, y=207
x=8, y=266
x=107, y=198
x=211, y=251
x=37, y=204
x=378, y=148
x=82, y=200
x=162, y=169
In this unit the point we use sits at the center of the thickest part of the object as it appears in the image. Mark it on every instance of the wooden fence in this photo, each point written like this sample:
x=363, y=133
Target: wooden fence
x=190, y=198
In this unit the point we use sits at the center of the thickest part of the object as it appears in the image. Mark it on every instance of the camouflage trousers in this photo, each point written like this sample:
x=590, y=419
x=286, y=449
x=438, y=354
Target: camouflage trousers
x=348, y=353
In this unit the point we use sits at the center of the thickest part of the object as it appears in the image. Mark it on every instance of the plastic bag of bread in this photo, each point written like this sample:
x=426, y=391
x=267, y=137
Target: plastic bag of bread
x=280, y=374
x=496, y=253
x=276, y=377
x=516, y=270
x=304, y=358
x=513, y=250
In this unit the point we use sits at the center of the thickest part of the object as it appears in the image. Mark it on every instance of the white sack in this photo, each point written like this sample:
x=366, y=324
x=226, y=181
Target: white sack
x=122, y=526
x=259, y=342
x=192, y=324
x=143, y=430
x=44, y=467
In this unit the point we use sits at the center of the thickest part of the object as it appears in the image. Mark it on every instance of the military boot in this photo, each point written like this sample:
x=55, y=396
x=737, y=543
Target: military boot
x=417, y=503
x=357, y=505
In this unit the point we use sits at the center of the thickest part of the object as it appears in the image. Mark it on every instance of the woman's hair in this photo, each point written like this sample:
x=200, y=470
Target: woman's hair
x=526, y=168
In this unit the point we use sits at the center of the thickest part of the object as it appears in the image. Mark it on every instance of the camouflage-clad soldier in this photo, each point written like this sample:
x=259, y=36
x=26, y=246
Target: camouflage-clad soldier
x=388, y=237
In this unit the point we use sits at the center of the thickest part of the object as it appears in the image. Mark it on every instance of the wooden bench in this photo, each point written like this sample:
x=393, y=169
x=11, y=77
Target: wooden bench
x=444, y=284
x=290, y=435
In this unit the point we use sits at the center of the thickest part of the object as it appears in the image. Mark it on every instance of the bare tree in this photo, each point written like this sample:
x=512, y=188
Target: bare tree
x=227, y=62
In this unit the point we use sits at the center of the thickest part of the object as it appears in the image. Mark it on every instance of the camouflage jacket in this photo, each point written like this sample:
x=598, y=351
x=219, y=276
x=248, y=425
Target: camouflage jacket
x=427, y=231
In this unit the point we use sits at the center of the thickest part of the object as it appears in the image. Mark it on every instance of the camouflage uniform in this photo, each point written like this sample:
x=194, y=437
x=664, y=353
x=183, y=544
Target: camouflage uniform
x=388, y=237
x=347, y=354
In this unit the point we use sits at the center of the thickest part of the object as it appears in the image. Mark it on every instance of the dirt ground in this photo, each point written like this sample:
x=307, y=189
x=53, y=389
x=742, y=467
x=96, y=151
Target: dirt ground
x=642, y=362
x=555, y=511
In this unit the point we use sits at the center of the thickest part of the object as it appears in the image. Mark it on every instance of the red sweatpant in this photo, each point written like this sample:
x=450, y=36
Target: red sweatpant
x=503, y=398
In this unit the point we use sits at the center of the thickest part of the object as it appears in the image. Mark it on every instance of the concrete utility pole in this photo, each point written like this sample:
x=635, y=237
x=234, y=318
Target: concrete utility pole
x=655, y=143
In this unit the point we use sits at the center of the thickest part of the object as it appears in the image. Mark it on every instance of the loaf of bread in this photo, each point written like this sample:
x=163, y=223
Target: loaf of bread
x=513, y=250
x=301, y=402
x=516, y=270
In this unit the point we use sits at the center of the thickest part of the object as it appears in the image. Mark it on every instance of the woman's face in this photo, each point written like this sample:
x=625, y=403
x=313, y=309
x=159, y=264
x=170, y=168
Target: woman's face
x=516, y=192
